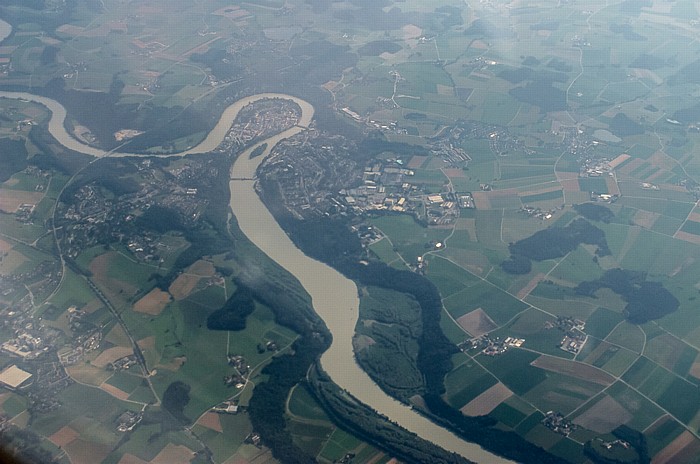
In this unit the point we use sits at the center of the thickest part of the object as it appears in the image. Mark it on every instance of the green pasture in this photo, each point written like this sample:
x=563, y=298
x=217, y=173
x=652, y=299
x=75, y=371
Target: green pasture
x=627, y=335
x=303, y=405
x=555, y=195
x=667, y=225
x=181, y=331
x=671, y=352
x=619, y=362
x=561, y=393
x=507, y=415
x=78, y=401
x=530, y=422
x=466, y=382
x=125, y=381
x=593, y=184
x=679, y=397
x=514, y=370
x=74, y=291
x=662, y=434
x=449, y=278
x=14, y=405
x=578, y=266
x=499, y=305
x=384, y=250
x=409, y=238
x=530, y=325
x=644, y=412
x=602, y=322
x=663, y=206
x=488, y=228
x=517, y=171
x=17, y=230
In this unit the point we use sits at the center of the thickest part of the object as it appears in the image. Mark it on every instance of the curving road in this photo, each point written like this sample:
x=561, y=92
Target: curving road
x=334, y=296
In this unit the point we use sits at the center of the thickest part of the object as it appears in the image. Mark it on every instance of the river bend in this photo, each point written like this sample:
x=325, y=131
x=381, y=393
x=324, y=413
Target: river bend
x=334, y=297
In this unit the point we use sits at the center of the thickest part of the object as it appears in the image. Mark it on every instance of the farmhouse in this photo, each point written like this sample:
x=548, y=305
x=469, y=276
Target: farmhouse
x=13, y=377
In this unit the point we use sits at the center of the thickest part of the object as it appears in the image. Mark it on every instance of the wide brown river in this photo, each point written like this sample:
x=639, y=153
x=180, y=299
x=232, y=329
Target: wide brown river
x=334, y=297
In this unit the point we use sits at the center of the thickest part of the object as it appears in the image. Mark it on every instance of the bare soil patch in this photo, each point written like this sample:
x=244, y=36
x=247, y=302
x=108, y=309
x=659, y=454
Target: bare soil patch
x=477, y=322
x=114, y=391
x=202, y=268
x=552, y=188
x=619, y=160
x=70, y=29
x=677, y=449
x=10, y=200
x=487, y=401
x=418, y=401
x=481, y=200
x=631, y=166
x=173, y=365
x=174, y=454
x=153, y=303
x=445, y=90
x=64, y=436
x=360, y=342
x=574, y=369
x=416, y=162
x=4, y=246
x=570, y=185
x=453, y=172
x=525, y=291
x=87, y=373
x=148, y=343
x=656, y=175
x=111, y=354
x=645, y=219
x=694, y=216
x=183, y=285
x=604, y=416
x=114, y=288
x=681, y=235
x=613, y=188
x=673, y=187
x=131, y=459
x=411, y=31
x=695, y=368
x=662, y=160
x=211, y=420
x=86, y=452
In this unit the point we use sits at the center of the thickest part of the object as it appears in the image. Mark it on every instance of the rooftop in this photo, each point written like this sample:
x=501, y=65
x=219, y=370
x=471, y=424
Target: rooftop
x=13, y=376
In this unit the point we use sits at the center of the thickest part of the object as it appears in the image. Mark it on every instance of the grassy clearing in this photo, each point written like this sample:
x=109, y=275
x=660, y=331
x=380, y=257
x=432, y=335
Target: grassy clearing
x=74, y=291
x=409, y=238
x=514, y=370
x=466, y=382
x=561, y=393
x=385, y=251
x=448, y=277
x=644, y=412
x=602, y=322
x=627, y=335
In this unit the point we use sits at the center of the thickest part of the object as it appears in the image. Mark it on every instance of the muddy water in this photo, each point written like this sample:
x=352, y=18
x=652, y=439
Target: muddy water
x=334, y=297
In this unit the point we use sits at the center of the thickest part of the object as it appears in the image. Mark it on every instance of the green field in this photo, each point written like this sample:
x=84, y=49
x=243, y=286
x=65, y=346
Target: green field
x=534, y=95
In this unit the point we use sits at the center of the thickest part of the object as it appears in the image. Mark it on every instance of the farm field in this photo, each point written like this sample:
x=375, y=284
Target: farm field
x=533, y=167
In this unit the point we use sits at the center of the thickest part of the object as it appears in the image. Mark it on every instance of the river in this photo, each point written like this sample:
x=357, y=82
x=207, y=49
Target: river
x=334, y=297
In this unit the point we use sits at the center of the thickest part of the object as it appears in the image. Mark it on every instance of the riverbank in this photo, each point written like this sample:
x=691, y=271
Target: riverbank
x=58, y=130
x=334, y=296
